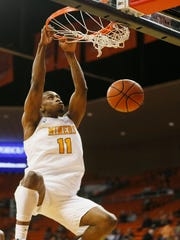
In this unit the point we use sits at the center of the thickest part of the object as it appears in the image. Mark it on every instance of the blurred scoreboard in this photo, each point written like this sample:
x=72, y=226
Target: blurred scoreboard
x=12, y=157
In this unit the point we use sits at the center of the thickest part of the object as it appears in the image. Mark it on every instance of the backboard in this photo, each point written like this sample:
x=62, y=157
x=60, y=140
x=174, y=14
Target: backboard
x=136, y=14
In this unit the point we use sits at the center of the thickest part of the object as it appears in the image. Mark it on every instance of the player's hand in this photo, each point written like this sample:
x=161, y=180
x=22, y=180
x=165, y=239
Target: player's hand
x=46, y=36
x=68, y=47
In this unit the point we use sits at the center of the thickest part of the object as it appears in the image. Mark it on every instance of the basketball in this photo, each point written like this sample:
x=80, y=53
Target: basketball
x=125, y=95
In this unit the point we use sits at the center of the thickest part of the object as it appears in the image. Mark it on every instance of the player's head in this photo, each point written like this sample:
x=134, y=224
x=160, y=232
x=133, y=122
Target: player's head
x=52, y=105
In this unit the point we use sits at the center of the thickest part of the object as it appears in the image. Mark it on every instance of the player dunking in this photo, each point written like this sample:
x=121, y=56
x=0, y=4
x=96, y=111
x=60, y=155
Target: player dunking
x=55, y=156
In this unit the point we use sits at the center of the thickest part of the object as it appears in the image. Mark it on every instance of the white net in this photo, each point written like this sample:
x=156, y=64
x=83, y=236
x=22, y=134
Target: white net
x=114, y=39
x=99, y=32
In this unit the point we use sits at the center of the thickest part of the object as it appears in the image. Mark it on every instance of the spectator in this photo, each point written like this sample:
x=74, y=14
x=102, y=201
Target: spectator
x=147, y=204
x=110, y=236
x=115, y=235
x=123, y=216
x=129, y=235
x=131, y=216
x=167, y=232
x=177, y=231
x=149, y=235
x=165, y=218
x=147, y=222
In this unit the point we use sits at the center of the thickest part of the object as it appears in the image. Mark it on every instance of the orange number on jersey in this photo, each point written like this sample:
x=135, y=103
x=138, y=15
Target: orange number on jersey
x=64, y=145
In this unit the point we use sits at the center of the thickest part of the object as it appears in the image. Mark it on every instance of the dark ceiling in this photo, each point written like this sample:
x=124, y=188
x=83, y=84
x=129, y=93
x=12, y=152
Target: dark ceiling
x=148, y=64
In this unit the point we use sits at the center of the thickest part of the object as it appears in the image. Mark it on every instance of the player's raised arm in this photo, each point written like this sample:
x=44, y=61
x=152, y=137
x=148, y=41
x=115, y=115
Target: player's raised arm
x=78, y=100
x=33, y=100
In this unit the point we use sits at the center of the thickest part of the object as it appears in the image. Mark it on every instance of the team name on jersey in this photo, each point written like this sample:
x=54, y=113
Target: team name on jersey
x=61, y=130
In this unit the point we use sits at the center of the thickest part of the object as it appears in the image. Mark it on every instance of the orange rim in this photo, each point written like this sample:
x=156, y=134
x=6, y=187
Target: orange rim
x=107, y=29
x=62, y=11
x=59, y=13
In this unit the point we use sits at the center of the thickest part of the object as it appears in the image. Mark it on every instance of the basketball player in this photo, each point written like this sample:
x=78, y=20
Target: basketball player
x=2, y=237
x=55, y=156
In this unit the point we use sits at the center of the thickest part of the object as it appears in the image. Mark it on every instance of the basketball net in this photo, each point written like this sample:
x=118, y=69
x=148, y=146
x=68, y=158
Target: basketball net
x=73, y=25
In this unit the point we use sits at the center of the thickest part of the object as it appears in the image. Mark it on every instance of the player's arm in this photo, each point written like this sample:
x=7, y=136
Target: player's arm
x=78, y=100
x=31, y=115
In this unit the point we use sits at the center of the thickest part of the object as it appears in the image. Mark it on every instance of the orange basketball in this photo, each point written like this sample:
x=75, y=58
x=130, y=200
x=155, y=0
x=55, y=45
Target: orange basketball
x=125, y=95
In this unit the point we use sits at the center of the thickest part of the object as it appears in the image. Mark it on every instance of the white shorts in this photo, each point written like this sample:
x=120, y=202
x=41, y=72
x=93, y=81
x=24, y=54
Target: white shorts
x=67, y=211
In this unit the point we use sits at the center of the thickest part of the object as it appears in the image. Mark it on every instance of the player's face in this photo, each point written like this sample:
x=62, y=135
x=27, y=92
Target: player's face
x=52, y=104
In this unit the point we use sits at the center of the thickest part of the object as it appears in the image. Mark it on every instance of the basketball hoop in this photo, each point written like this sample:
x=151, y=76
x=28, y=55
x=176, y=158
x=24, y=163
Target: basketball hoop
x=73, y=25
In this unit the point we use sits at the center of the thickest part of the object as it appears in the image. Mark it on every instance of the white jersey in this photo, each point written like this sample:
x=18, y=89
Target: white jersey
x=55, y=151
